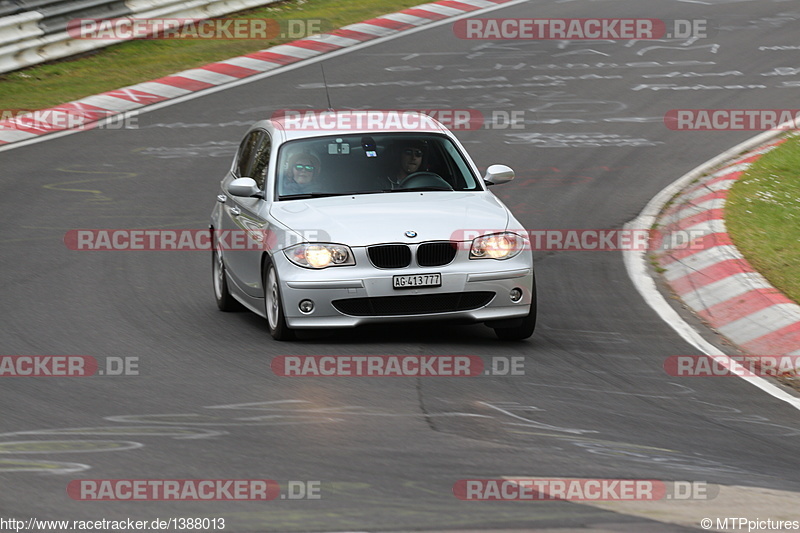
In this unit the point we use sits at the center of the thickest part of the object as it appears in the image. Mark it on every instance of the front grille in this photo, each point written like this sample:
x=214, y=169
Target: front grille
x=431, y=254
x=390, y=255
x=413, y=305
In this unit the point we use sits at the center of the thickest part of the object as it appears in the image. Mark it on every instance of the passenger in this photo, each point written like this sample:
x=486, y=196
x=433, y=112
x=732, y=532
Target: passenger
x=304, y=168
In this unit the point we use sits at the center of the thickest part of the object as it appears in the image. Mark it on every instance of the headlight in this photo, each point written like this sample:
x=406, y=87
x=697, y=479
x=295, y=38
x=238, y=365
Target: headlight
x=496, y=246
x=320, y=255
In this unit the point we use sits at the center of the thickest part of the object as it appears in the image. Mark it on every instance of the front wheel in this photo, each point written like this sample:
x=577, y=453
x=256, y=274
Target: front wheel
x=276, y=320
x=521, y=332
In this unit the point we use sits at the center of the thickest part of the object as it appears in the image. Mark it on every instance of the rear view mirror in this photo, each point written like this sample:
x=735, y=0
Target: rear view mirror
x=497, y=174
x=244, y=187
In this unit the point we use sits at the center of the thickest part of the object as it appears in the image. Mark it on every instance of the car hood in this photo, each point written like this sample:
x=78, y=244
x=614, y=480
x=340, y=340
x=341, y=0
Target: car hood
x=376, y=218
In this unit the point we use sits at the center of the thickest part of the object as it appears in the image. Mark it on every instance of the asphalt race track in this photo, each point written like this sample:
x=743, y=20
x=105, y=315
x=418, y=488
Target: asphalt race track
x=594, y=400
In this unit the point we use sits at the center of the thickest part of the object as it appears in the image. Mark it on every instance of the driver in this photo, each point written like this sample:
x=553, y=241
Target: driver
x=410, y=159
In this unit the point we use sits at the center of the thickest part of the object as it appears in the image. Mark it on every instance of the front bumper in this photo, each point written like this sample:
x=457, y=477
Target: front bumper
x=471, y=291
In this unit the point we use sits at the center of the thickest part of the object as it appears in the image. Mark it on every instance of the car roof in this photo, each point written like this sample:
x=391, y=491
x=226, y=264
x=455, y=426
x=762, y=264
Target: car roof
x=303, y=124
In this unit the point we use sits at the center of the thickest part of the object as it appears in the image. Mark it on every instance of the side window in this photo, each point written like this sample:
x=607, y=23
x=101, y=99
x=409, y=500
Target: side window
x=246, y=152
x=261, y=160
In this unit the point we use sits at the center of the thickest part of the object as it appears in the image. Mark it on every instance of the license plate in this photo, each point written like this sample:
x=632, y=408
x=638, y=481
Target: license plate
x=412, y=281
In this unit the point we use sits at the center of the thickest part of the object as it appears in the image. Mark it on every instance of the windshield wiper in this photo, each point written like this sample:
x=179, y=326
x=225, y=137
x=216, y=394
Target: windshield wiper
x=324, y=194
x=312, y=195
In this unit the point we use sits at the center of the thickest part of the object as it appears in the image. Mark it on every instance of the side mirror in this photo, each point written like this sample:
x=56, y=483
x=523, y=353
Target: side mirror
x=497, y=174
x=244, y=187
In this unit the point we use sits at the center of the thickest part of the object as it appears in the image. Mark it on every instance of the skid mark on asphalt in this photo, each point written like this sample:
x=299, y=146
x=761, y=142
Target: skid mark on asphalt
x=668, y=459
x=527, y=422
x=49, y=467
x=293, y=412
x=569, y=389
x=205, y=420
x=178, y=426
x=281, y=412
x=67, y=446
x=84, y=446
x=206, y=149
x=586, y=139
x=302, y=406
x=649, y=455
x=712, y=48
x=97, y=195
x=143, y=431
x=720, y=413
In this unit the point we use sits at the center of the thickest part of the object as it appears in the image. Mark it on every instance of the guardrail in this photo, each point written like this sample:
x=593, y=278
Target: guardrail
x=34, y=31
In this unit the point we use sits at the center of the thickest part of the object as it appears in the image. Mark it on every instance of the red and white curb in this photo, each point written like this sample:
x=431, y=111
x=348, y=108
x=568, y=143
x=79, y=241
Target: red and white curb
x=714, y=279
x=80, y=113
x=637, y=261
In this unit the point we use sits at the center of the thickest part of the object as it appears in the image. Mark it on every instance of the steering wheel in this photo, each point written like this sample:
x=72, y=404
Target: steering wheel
x=425, y=179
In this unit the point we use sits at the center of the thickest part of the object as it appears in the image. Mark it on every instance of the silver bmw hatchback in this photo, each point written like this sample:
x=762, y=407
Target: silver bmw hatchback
x=338, y=219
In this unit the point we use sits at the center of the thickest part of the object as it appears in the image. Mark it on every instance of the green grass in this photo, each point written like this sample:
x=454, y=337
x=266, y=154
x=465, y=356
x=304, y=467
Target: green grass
x=124, y=64
x=763, y=216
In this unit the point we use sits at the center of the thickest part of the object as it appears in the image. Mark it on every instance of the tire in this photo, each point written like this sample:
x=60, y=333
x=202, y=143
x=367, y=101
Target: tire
x=225, y=301
x=525, y=329
x=273, y=306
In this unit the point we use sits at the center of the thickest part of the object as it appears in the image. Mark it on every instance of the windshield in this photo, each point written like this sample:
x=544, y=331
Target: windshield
x=365, y=164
